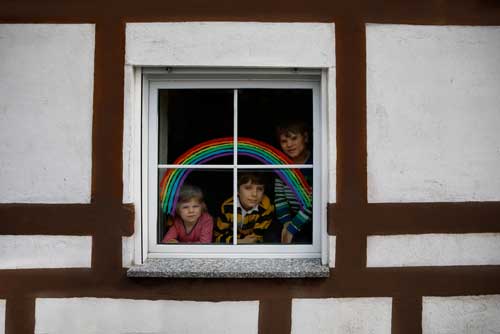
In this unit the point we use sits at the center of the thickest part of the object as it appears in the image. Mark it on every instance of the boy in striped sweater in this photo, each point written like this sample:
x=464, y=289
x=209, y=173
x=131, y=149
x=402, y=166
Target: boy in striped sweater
x=255, y=212
x=293, y=137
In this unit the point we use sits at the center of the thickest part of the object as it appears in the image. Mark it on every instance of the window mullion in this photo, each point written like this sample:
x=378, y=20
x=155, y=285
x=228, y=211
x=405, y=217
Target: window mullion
x=235, y=167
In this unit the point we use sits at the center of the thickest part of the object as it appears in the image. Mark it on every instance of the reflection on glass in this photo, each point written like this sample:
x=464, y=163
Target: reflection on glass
x=188, y=199
x=272, y=119
x=190, y=117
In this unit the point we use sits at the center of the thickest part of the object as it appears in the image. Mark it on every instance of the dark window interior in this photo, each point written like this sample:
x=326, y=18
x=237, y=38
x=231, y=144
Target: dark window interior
x=188, y=117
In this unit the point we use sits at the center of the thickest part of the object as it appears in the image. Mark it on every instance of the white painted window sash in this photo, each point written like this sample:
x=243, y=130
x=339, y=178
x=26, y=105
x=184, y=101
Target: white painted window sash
x=152, y=83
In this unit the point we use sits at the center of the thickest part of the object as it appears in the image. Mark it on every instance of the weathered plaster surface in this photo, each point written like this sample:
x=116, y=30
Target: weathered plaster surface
x=332, y=135
x=433, y=117
x=461, y=315
x=433, y=250
x=128, y=135
x=127, y=251
x=231, y=44
x=94, y=315
x=44, y=251
x=2, y=316
x=342, y=316
x=46, y=96
x=332, y=247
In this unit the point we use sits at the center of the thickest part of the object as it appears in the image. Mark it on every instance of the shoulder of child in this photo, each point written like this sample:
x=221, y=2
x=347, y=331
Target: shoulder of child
x=227, y=205
x=206, y=218
x=266, y=203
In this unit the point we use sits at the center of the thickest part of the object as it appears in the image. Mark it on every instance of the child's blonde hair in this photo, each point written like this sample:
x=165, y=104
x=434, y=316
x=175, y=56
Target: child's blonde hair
x=189, y=192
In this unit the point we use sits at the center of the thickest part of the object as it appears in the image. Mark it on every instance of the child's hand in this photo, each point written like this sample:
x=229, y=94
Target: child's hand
x=172, y=241
x=286, y=236
x=249, y=239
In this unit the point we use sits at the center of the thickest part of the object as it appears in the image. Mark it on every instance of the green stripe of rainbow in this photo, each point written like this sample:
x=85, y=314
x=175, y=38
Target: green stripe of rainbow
x=174, y=178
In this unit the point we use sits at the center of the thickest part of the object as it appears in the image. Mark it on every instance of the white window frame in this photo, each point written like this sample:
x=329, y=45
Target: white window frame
x=154, y=79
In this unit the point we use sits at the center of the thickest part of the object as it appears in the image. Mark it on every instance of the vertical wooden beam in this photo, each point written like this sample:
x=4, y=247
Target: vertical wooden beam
x=351, y=142
x=275, y=316
x=407, y=315
x=107, y=130
x=107, y=134
x=350, y=43
x=20, y=315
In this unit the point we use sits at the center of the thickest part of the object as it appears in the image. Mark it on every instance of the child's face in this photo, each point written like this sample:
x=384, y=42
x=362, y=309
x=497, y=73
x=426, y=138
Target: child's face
x=250, y=194
x=293, y=144
x=190, y=211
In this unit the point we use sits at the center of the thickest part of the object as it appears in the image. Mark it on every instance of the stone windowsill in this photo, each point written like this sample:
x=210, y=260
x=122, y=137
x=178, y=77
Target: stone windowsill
x=230, y=268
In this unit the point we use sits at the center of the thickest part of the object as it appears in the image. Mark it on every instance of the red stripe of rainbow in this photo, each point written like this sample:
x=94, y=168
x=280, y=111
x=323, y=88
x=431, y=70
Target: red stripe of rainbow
x=174, y=178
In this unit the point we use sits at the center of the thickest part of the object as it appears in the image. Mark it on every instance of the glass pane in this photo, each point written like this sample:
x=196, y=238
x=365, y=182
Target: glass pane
x=274, y=206
x=293, y=202
x=275, y=126
x=188, y=118
x=189, y=203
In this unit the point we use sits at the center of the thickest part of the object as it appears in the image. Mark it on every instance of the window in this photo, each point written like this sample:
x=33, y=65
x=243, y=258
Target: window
x=250, y=135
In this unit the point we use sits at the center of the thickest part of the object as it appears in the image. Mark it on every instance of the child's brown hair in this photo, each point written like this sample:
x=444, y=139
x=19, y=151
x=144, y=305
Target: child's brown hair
x=253, y=178
x=292, y=126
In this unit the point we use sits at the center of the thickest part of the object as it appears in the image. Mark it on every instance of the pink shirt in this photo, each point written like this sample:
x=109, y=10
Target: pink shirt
x=200, y=233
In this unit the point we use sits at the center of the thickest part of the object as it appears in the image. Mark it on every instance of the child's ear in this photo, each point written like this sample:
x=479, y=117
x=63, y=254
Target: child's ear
x=306, y=137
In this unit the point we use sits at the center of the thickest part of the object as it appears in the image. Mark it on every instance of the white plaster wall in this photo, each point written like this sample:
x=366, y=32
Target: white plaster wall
x=461, y=315
x=332, y=135
x=46, y=94
x=433, y=250
x=433, y=113
x=230, y=44
x=342, y=316
x=2, y=316
x=132, y=160
x=131, y=119
x=93, y=315
x=332, y=247
x=127, y=251
x=45, y=251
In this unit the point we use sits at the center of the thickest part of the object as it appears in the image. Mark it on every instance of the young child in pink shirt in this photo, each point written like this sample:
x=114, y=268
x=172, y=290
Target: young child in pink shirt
x=191, y=223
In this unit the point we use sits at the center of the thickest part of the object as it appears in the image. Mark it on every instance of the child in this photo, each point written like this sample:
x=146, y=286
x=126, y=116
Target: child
x=191, y=222
x=293, y=137
x=255, y=212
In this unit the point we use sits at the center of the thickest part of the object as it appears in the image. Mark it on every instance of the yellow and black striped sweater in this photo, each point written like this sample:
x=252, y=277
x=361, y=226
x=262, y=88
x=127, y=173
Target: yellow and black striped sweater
x=256, y=222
